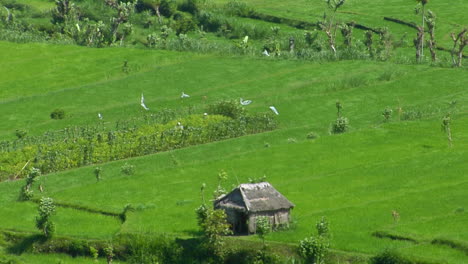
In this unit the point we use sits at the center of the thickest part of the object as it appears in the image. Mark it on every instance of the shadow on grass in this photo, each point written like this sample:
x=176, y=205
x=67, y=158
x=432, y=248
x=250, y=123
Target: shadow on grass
x=26, y=243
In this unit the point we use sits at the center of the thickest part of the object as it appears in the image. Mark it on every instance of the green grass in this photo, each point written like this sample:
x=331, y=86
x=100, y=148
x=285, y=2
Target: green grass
x=370, y=13
x=355, y=179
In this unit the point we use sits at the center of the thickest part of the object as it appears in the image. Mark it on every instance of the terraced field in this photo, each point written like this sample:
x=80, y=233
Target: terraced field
x=355, y=179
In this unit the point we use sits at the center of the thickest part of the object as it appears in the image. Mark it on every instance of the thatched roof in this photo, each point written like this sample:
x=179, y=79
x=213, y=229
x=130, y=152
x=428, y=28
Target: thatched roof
x=254, y=197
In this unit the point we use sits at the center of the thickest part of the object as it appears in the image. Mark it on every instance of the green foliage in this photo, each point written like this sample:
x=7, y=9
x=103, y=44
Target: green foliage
x=312, y=135
x=214, y=228
x=184, y=23
x=109, y=253
x=26, y=191
x=323, y=227
x=97, y=173
x=153, y=249
x=127, y=169
x=340, y=126
x=46, y=210
x=228, y=108
x=191, y=6
x=94, y=252
x=387, y=113
x=85, y=146
x=389, y=257
x=57, y=114
x=263, y=227
x=202, y=214
x=313, y=249
x=20, y=133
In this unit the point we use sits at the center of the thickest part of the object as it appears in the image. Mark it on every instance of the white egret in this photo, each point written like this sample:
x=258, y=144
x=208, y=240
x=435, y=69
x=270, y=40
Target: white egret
x=184, y=95
x=245, y=102
x=99, y=115
x=265, y=52
x=274, y=110
x=142, y=103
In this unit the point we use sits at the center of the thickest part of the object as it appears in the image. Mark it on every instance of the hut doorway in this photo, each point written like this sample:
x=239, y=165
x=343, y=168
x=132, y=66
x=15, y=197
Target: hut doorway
x=241, y=227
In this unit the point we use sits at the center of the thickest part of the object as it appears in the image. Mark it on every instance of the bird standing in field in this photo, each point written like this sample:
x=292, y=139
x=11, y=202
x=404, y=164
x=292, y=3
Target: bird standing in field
x=245, y=102
x=99, y=116
x=265, y=52
x=184, y=95
x=142, y=103
x=274, y=110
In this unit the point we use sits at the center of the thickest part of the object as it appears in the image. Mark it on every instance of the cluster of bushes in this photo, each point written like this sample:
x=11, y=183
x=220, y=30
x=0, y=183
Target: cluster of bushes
x=224, y=120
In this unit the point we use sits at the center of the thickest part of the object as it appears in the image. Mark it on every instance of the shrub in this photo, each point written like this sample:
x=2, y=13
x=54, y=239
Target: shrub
x=57, y=114
x=183, y=23
x=387, y=113
x=389, y=257
x=168, y=7
x=97, y=173
x=20, y=133
x=153, y=249
x=229, y=108
x=190, y=6
x=127, y=169
x=340, y=125
x=312, y=135
x=46, y=210
x=313, y=249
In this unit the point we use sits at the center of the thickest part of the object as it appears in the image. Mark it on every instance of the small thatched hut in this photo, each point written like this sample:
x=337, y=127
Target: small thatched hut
x=248, y=201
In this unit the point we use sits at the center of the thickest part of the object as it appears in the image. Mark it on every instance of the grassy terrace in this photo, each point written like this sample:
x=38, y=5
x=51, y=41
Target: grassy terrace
x=355, y=179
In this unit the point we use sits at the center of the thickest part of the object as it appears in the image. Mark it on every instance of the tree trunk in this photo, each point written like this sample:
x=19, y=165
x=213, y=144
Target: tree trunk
x=422, y=38
x=449, y=136
x=156, y=9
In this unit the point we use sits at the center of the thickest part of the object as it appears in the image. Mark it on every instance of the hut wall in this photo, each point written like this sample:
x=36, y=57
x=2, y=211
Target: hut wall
x=280, y=217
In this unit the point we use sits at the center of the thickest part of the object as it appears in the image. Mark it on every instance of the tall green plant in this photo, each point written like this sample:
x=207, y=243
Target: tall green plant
x=26, y=190
x=263, y=228
x=46, y=210
x=314, y=249
x=214, y=228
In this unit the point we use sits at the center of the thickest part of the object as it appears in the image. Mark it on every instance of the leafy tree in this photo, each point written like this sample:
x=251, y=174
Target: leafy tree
x=314, y=249
x=64, y=13
x=387, y=113
x=26, y=191
x=214, y=227
x=155, y=4
x=446, y=128
x=341, y=123
x=124, y=11
x=97, y=173
x=46, y=210
x=109, y=252
x=263, y=228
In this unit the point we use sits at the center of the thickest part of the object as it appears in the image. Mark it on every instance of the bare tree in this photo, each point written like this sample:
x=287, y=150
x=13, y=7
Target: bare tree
x=417, y=43
x=459, y=43
x=155, y=4
x=431, y=23
x=423, y=4
x=328, y=25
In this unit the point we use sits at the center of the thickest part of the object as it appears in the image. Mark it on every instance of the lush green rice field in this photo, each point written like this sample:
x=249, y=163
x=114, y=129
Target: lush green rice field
x=354, y=179
x=371, y=13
